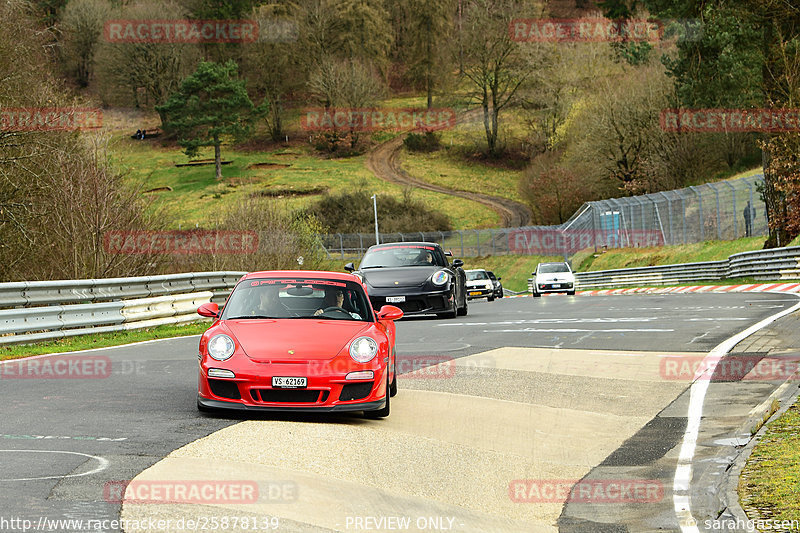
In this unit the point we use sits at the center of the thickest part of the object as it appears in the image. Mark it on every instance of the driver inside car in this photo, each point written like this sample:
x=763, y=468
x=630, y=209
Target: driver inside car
x=335, y=299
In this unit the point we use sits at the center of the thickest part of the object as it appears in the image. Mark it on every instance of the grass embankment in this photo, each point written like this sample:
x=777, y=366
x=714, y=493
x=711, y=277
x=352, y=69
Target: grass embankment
x=770, y=479
x=295, y=173
x=515, y=270
x=664, y=255
x=102, y=340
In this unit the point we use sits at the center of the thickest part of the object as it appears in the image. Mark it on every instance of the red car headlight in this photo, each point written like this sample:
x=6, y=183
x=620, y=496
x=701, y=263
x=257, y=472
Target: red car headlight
x=221, y=347
x=363, y=349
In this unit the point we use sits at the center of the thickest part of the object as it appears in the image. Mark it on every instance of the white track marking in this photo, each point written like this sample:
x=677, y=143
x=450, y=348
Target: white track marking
x=574, y=330
x=681, y=498
x=102, y=466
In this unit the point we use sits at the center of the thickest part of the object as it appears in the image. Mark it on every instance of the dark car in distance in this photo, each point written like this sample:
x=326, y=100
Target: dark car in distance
x=414, y=276
x=498, y=287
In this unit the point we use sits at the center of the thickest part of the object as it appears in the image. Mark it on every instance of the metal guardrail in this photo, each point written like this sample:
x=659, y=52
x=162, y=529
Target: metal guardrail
x=765, y=265
x=48, y=310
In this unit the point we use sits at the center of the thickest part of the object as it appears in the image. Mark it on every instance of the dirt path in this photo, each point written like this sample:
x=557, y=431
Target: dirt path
x=384, y=162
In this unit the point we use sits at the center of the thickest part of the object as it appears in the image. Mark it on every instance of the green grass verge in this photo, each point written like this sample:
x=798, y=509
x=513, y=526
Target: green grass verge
x=665, y=255
x=770, y=479
x=102, y=340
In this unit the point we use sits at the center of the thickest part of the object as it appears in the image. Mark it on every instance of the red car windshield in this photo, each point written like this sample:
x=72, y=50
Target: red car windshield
x=298, y=299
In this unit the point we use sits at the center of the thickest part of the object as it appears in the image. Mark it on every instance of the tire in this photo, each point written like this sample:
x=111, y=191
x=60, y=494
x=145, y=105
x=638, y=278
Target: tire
x=464, y=310
x=570, y=293
x=536, y=294
x=490, y=298
x=381, y=413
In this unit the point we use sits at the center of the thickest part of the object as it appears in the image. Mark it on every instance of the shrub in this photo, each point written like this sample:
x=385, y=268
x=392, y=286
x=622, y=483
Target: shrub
x=352, y=212
x=422, y=142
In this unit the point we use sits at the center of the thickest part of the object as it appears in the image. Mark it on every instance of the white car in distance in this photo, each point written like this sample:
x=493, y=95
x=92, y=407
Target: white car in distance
x=553, y=277
x=479, y=284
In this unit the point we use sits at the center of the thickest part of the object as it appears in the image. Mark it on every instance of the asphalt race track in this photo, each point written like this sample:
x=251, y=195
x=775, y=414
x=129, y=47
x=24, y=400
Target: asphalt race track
x=519, y=391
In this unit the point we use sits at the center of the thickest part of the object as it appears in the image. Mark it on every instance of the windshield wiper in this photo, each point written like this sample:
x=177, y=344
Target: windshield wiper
x=376, y=266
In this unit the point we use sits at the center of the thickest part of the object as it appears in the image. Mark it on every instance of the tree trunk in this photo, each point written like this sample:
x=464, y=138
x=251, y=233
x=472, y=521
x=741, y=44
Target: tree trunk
x=775, y=205
x=490, y=139
x=217, y=158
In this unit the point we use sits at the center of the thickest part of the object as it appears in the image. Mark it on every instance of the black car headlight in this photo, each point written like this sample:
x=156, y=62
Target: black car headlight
x=440, y=277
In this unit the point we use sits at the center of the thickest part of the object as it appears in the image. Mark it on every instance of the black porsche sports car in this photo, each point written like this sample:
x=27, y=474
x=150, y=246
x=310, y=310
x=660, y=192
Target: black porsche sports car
x=414, y=276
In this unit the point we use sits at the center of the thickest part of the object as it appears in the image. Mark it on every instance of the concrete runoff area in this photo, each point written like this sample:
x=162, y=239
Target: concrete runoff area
x=444, y=459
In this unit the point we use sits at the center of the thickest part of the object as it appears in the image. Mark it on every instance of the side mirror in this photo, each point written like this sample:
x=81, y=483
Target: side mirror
x=349, y=267
x=210, y=310
x=458, y=263
x=390, y=312
x=499, y=278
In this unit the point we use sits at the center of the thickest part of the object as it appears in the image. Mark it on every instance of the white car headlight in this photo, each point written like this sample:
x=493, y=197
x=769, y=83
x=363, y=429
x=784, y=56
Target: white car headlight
x=489, y=285
x=363, y=349
x=440, y=278
x=221, y=347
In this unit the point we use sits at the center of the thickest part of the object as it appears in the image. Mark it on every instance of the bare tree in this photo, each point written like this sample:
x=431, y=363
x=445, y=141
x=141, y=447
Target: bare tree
x=81, y=27
x=493, y=62
x=154, y=68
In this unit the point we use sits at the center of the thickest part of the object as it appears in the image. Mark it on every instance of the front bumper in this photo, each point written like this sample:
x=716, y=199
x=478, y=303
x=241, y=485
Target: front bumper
x=479, y=292
x=236, y=406
x=554, y=287
x=326, y=388
x=416, y=302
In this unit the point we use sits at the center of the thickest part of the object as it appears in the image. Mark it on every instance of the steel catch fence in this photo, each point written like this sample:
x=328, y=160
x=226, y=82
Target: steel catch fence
x=724, y=210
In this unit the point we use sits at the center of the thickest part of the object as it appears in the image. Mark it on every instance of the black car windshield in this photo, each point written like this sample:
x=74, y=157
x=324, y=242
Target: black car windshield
x=553, y=268
x=476, y=274
x=298, y=299
x=403, y=255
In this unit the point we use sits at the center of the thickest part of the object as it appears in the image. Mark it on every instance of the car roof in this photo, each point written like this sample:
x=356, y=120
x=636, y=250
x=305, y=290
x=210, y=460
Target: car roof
x=313, y=274
x=476, y=270
x=555, y=263
x=406, y=243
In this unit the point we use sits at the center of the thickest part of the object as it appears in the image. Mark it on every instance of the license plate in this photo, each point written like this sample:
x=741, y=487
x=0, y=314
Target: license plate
x=289, y=382
x=556, y=285
x=395, y=299
x=475, y=293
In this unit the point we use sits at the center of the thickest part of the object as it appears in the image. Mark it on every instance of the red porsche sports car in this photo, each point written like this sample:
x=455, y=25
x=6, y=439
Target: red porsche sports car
x=299, y=341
